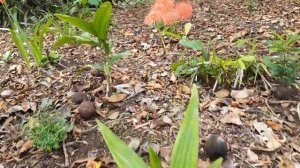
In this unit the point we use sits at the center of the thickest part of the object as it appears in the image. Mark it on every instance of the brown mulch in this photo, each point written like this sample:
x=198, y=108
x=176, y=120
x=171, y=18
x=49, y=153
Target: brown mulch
x=156, y=102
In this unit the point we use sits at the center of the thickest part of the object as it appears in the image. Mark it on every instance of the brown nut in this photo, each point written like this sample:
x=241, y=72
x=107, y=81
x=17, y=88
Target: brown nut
x=87, y=109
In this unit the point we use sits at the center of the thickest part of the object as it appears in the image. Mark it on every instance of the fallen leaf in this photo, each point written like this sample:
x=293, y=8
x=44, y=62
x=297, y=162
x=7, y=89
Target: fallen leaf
x=29, y=105
x=274, y=125
x=184, y=89
x=115, y=98
x=165, y=153
x=26, y=146
x=241, y=94
x=153, y=86
x=231, y=118
x=272, y=142
x=140, y=115
x=222, y=93
x=251, y=156
x=3, y=105
x=113, y=115
x=286, y=162
x=91, y=163
x=134, y=143
x=238, y=35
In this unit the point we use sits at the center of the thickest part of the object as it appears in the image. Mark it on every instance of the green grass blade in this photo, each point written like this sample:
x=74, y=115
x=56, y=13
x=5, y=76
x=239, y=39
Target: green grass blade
x=102, y=19
x=217, y=163
x=185, y=151
x=19, y=43
x=79, y=23
x=155, y=162
x=124, y=156
x=45, y=28
x=36, y=52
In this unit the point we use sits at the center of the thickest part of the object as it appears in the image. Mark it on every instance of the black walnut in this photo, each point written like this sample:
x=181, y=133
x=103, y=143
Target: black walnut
x=282, y=93
x=78, y=97
x=87, y=109
x=215, y=147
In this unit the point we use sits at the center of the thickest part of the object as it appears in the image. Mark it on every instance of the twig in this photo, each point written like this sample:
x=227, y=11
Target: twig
x=89, y=130
x=67, y=163
x=244, y=160
x=4, y=29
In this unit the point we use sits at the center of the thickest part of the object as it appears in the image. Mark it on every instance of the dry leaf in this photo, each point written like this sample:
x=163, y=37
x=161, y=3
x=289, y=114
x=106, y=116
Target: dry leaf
x=153, y=86
x=231, y=118
x=251, y=156
x=141, y=115
x=185, y=89
x=238, y=35
x=115, y=98
x=113, y=115
x=286, y=162
x=241, y=94
x=26, y=146
x=134, y=143
x=272, y=142
x=222, y=93
x=274, y=125
x=165, y=153
x=91, y=163
x=3, y=105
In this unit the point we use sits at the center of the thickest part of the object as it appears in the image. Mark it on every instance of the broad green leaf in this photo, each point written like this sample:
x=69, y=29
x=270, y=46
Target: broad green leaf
x=79, y=23
x=241, y=64
x=187, y=28
x=155, y=162
x=94, y=2
x=73, y=40
x=241, y=42
x=248, y=58
x=185, y=150
x=217, y=163
x=101, y=20
x=124, y=156
x=117, y=57
x=194, y=44
x=175, y=65
x=19, y=43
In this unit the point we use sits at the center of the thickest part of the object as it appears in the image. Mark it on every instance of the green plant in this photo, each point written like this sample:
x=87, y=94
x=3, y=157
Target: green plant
x=185, y=150
x=98, y=28
x=250, y=6
x=47, y=130
x=7, y=57
x=23, y=41
x=284, y=60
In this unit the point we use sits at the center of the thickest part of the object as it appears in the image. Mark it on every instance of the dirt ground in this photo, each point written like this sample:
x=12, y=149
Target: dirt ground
x=151, y=115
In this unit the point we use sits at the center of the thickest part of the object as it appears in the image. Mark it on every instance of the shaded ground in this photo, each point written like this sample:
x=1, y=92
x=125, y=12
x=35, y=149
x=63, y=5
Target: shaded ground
x=156, y=96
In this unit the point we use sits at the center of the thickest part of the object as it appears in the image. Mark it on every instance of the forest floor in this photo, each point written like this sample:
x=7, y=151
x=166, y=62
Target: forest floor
x=156, y=98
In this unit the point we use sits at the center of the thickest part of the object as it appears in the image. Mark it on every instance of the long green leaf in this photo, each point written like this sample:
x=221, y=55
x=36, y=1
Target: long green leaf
x=19, y=43
x=124, y=156
x=194, y=44
x=73, y=40
x=185, y=151
x=155, y=162
x=102, y=19
x=45, y=27
x=36, y=52
x=117, y=57
x=79, y=23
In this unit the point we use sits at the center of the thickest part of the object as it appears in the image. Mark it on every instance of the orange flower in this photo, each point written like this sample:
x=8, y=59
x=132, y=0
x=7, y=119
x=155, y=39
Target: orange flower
x=184, y=10
x=168, y=12
x=2, y=1
x=158, y=10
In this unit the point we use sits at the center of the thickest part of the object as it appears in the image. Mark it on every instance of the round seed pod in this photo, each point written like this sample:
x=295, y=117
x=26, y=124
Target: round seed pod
x=78, y=97
x=215, y=147
x=87, y=109
x=282, y=93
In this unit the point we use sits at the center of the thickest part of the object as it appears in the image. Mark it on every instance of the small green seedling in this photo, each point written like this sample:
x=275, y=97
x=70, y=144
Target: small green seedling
x=47, y=130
